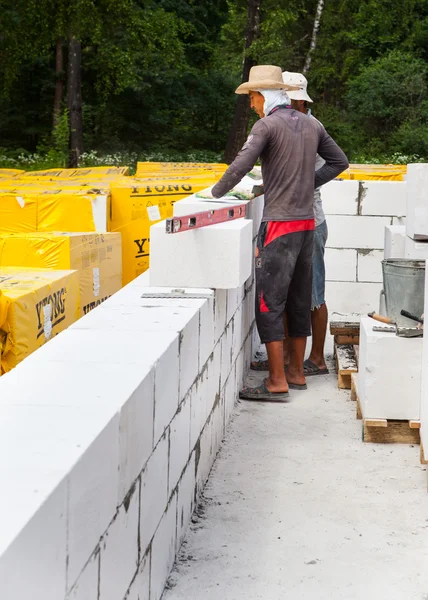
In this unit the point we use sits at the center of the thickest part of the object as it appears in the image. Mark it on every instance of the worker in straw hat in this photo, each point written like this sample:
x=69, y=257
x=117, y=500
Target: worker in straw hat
x=287, y=142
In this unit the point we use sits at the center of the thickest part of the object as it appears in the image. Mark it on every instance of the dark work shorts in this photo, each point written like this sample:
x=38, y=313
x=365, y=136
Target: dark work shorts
x=284, y=280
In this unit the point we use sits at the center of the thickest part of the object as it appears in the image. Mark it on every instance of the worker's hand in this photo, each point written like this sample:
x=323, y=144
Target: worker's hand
x=256, y=173
x=206, y=194
x=243, y=190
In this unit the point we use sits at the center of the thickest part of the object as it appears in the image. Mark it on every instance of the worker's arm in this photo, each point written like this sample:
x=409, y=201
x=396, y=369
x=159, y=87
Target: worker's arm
x=335, y=160
x=244, y=162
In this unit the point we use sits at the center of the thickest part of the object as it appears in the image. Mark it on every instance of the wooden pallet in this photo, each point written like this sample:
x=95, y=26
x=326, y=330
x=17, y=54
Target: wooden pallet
x=345, y=329
x=424, y=461
x=346, y=364
x=386, y=431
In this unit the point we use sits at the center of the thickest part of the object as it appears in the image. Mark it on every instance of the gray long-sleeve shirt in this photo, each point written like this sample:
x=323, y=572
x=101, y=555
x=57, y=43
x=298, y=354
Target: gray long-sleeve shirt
x=287, y=142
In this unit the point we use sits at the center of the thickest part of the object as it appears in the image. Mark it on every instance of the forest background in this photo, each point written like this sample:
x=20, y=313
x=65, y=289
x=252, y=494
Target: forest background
x=87, y=82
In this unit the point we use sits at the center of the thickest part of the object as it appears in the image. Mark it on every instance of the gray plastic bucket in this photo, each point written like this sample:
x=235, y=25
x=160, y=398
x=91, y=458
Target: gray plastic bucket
x=404, y=287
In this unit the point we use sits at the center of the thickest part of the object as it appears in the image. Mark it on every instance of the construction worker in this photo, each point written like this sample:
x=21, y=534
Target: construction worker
x=287, y=143
x=315, y=364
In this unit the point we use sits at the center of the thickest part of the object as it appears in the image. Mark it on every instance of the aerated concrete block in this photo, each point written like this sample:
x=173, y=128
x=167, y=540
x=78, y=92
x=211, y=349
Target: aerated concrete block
x=163, y=550
x=154, y=493
x=383, y=198
x=140, y=587
x=356, y=232
x=415, y=250
x=93, y=495
x=185, y=500
x=340, y=198
x=395, y=239
x=119, y=550
x=33, y=551
x=417, y=204
x=217, y=256
x=86, y=587
x=340, y=264
x=389, y=375
x=352, y=297
x=370, y=266
x=179, y=443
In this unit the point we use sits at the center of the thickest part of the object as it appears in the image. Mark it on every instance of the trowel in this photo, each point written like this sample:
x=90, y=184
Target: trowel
x=407, y=332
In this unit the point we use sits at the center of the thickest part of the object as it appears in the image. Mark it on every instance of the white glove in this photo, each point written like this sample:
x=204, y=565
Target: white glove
x=207, y=194
x=244, y=189
x=256, y=173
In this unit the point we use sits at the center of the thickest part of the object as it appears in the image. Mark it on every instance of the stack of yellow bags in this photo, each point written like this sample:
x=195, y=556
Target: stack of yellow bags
x=375, y=172
x=34, y=307
x=84, y=259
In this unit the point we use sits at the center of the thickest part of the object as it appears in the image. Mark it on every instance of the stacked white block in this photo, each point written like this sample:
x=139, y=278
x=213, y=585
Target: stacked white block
x=357, y=214
x=417, y=204
x=383, y=198
x=340, y=198
x=394, y=242
x=217, y=256
x=415, y=250
x=386, y=391
x=108, y=436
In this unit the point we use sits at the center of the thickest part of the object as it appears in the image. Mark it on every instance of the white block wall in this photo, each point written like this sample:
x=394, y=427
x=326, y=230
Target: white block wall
x=108, y=435
x=357, y=213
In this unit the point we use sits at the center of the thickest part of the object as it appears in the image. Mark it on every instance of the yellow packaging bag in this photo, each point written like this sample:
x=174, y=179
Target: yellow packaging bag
x=154, y=168
x=72, y=212
x=87, y=173
x=18, y=213
x=96, y=257
x=76, y=211
x=34, y=307
x=7, y=173
x=375, y=172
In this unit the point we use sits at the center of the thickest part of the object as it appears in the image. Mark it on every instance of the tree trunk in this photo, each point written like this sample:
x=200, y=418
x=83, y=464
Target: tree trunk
x=74, y=101
x=315, y=30
x=238, y=131
x=59, y=81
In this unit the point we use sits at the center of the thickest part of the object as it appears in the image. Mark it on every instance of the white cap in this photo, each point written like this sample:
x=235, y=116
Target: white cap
x=297, y=80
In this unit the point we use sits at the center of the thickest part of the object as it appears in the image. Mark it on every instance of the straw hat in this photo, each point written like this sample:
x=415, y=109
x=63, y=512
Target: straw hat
x=264, y=77
x=299, y=80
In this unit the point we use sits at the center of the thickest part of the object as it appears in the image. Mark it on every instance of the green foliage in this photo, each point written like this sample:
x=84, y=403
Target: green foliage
x=161, y=74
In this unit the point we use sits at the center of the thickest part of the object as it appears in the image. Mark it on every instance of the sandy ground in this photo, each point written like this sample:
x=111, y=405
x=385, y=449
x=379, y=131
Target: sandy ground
x=297, y=507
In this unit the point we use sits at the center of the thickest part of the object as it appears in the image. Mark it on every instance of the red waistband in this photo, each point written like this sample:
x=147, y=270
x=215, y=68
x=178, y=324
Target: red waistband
x=275, y=229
